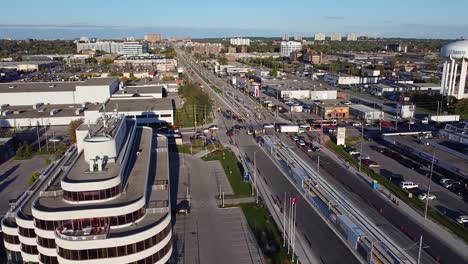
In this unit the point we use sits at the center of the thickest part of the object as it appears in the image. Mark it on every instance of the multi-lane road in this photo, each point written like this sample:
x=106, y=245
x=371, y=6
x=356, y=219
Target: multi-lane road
x=323, y=242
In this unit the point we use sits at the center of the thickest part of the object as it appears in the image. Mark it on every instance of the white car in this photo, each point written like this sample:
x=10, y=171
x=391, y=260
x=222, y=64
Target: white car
x=408, y=185
x=356, y=124
x=213, y=127
x=444, y=180
x=462, y=219
x=354, y=152
x=423, y=196
x=363, y=157
x=268, y=126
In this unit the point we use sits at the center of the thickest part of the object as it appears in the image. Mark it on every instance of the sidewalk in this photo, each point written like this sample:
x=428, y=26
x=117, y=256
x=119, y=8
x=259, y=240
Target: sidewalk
x=444, y=235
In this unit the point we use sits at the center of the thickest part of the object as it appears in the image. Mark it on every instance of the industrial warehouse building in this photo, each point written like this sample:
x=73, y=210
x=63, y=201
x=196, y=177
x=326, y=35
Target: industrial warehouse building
x=301, y=90
x=59, y=103
x=106, y=200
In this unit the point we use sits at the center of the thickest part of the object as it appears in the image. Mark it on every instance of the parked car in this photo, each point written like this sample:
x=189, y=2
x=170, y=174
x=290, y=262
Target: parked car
x=363, y=157
x=462, y=219
x=231, y=133
x=315, y=148
x=268, y=126
x=378, y=149
x=424, y=196
x=450, y=183
x=444, y=180
x=370, y=163
x=458, y=190
x=213, y=127
x=294, y=138
x=423, y=171
x=354, y=152
x=408, y=185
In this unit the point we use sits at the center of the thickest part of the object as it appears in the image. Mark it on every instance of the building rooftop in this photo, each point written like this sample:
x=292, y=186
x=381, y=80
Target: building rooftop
x=144, y=89
x=26, y=87
x=138, y=104
x=64, y=110
x=364, y=108
x=301, y=84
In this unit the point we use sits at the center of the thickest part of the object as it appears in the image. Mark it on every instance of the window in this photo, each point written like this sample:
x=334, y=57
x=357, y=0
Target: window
x=121, y=250
x=166, y=115
x=26, y=232
x=11, y=239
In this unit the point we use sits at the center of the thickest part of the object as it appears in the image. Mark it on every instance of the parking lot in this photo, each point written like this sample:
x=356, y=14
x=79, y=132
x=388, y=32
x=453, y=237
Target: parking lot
x=14, y=175
x=397, y=167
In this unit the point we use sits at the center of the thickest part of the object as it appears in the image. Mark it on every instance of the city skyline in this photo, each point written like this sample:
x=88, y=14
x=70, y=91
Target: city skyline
x=55, y=19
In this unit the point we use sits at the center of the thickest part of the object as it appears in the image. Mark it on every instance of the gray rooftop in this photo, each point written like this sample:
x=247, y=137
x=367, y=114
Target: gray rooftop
x=143, y=89
x=363, y=108
x=25, y=87
x=138, y=104
x=27, y=111
x=300, y=84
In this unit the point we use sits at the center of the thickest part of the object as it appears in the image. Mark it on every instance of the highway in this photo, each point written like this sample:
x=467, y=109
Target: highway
x=387, y=217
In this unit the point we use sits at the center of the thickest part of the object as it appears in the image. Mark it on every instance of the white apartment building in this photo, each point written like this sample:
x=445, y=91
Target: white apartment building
x=289, y=46
x=351, y=37
x=319, y=37
x=341, y=79
x=106, y=200
x=134, y=48
x=106, y=46
x=336, y=36
x=240, y=42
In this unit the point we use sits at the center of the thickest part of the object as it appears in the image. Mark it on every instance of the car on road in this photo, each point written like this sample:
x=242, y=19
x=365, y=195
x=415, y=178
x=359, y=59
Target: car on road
x=268, y=126
x=213, y=127
x=458, y=189
x=462, y=219
x=363, y=157
x=370, y=163
x=408, y=185
x=424, y=196
x=353, y=152
x=444, y=180
x=300, y=143
x=423, y=171
x=238, y=127
x=378, y=149
x=315, y=148
x=231, y=133
x=294, y=138
x=306, y=149
x=450, y=183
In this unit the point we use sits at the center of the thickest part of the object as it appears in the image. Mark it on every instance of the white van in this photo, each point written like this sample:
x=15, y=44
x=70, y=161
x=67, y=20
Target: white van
x=408, y=185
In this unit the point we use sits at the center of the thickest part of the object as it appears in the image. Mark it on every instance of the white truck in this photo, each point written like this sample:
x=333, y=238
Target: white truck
x=445, y=118
x=288, y=129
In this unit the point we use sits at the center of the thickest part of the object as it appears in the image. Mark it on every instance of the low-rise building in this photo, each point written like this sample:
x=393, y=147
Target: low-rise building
x=298, y=90
x=365, y=113
x=330, y=111
x=7, y=149
x=240, y=42
x=403, y=110
x=28, y=66
x=342, y=79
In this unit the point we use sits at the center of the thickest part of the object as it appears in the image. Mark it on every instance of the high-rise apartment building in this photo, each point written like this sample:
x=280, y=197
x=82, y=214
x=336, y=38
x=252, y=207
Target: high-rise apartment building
x=240, y=42
x=351, y=37
x=153, y=38
x=289, y=46
x=106, y=200
x=336, y=36
x=285, y=37
x=319, y=37
x=134, y=48
x=106, y=46
x=298, y=38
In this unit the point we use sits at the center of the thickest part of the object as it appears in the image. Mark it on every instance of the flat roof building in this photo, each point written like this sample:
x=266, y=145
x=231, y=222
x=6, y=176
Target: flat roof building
x=95, y=90
x=301, y=90
x=364, y=112
x=105, y=200
x=289, y=46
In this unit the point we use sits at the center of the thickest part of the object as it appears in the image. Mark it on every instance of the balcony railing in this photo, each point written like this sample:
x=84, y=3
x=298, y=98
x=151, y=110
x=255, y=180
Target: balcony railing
x=86, y=233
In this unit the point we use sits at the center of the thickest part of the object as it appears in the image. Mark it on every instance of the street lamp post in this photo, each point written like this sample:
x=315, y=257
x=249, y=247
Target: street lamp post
x=362, y=139
x=429, y=185
x=255, y=174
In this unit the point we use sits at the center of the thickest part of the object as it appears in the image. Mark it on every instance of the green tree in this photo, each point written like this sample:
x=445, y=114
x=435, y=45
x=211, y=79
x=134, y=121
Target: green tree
x=461, y=107
x=274, y=73
x=34, y=176
x=24, y=151
x=72, y=129
x=222, y=60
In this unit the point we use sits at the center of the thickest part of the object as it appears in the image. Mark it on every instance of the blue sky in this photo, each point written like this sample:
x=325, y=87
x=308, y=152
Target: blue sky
x=209, y=18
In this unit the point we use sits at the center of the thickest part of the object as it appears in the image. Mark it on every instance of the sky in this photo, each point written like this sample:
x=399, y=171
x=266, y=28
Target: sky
x=68, y=19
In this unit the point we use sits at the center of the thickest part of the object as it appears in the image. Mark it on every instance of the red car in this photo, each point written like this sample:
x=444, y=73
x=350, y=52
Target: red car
x=370, y=163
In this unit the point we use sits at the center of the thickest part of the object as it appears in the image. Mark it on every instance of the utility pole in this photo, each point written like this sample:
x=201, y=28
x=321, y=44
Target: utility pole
x=362, y=139
x=255, y=174
x=318, y=164
x=284, y=220
x=194, y=118
x=429, y=185
x=38, y=138
x=420, y=249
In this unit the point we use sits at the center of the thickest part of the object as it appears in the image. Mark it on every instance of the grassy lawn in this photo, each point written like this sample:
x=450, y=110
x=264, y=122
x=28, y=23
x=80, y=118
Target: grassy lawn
x=183, y=149
x=233, y=169
x=402, y=194
x=266, y=233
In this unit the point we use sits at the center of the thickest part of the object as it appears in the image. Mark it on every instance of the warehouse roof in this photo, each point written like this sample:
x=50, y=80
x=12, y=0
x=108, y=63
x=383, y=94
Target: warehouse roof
x=25, y=87
x=139, y=104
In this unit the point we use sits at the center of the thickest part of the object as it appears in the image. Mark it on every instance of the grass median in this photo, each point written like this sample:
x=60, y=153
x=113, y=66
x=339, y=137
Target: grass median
x=266, y=233
x=414, y=202
x=233, y=169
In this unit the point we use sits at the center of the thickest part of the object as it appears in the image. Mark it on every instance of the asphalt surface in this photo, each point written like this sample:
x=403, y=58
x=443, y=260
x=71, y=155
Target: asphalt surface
x=322, y=240
x=392, y=220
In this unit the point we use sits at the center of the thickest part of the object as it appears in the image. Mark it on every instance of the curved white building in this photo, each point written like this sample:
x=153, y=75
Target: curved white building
x=105, y=201
x=454, y=79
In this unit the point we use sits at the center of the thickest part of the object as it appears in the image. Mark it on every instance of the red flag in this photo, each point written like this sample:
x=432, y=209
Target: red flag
x=294, y=200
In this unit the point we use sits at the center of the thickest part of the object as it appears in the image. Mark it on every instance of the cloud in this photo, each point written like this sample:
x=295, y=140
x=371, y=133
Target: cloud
x=334, y=17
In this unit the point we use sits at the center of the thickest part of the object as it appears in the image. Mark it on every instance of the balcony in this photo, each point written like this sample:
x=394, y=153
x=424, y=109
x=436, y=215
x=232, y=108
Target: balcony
x=83, y=234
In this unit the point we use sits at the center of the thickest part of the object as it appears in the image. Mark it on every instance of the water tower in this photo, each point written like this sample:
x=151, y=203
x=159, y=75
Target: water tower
x=454, y=79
